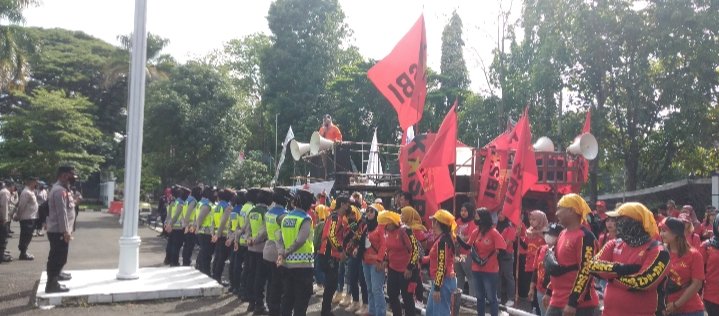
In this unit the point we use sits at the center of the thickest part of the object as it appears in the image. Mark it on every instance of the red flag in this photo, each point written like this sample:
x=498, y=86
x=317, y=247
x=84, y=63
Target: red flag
x=400, y=76
x=584, y=163
x=443, y=151
x=493, y=180
x=437, y=184
x=524, y=170
x=410, y=158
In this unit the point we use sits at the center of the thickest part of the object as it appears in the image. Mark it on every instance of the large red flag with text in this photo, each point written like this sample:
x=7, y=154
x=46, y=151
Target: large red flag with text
x=439, y=156
x=400, y=76
x=410, y=158
x=524, y=169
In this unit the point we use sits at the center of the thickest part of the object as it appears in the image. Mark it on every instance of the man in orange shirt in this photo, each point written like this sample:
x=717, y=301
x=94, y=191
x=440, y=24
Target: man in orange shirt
x=329, y=130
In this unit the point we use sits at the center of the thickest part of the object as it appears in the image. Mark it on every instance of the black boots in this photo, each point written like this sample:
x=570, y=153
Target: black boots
x=26, y=256
x=53, y=286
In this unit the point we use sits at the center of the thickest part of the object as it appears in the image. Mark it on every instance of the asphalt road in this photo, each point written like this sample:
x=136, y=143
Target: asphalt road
x=96, y=247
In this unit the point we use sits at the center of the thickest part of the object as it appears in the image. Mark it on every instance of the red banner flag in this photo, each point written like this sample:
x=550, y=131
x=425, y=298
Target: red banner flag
x=410, y=158
x=584, y=163
x=400, y=76
x=443, y=151
x=524, y=170
x=493, y=180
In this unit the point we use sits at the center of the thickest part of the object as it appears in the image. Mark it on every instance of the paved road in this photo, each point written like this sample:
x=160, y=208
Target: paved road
x=96, y=247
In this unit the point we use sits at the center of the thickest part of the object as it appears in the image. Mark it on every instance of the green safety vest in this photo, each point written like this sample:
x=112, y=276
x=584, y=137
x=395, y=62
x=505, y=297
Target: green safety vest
x=255, y=223
x=174, y=209
x=193, y=213
x=290, y=229
x=242, y=218
x=217, y=216
x=207, y=221
x=271, y=226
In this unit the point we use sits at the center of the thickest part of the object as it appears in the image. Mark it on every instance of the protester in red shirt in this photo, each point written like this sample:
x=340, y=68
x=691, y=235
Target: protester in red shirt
x=402, y=256
x=634, y=264
x=441, y=264
x=572, y=288
x=601, y=210
x=485, y=244
x=465, y=228
x=370, y=243
x=332, y=250
x=506, y=259
x=540, y=279
x=706, y=227
x=532, y=240
x=691, y=237
x=411, y=218
x=672, y=210
x=685, y=272
x=710, y=251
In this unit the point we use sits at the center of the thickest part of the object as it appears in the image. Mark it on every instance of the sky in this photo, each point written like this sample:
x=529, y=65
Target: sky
x=196, y=28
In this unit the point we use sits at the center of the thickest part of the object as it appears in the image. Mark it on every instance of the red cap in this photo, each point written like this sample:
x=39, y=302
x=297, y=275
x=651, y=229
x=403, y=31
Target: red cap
x=601, y=203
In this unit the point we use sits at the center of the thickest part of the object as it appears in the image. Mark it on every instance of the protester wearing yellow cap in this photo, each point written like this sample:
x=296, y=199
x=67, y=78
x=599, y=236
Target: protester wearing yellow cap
x=388, y=218
x=634, y=263
x=577, y=204
x=572, y=287
x=413, y=220
x=441, y=264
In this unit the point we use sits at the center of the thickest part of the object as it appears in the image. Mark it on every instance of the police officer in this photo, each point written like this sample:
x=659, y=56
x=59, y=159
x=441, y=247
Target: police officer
x=236, y=220
x=204, y=223
x=278, y=209
x=246, y=275
x=171, y=225
x=296, y=255
x=256, y=230
x=221, y=216
x=189, y=216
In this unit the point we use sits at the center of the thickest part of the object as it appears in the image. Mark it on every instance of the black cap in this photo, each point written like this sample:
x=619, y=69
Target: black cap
x=675, y=225
x=305, y=195
x=555, y=229
x=252, y=195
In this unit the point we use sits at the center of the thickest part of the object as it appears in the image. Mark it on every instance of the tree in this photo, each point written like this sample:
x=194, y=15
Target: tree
x=307, y=38
x=251, y=172
x=454, y=77
x=15, y=45
x=52, y=130
x=242, y=57
x=119, y=69
x=194, y=126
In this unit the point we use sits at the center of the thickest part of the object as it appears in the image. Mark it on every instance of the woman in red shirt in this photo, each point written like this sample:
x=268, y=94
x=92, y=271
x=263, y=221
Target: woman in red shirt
x=532, y=240
x=370, y=243
x=685, y=272
x=710, y=251
x=441, y=264
x=465, y=228
x=706, y=227
x=485, y=243
x=402, y=258
x=691, y=237
x=540, y=278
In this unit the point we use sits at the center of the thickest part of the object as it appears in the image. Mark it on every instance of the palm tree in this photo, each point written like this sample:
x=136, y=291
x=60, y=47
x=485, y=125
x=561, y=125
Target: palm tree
x=157, y=64
x=15, y=45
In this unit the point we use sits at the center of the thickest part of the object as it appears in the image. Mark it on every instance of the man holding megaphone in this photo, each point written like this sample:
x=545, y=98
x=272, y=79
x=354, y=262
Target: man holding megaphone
x=329, y=130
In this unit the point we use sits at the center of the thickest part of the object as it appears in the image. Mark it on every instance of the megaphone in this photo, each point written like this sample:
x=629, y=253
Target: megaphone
x=319, y=143
x=544, y=144
x=585, y=145
x=299, y=149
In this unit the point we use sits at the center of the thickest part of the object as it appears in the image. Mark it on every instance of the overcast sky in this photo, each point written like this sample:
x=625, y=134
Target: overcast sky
x=196, y=28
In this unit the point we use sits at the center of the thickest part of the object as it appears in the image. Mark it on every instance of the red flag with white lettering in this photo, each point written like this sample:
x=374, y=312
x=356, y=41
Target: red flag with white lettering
x=524, y=169
x=400, y=76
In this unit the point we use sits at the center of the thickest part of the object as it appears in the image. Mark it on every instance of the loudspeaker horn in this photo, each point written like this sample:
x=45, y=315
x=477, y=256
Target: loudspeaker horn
x=299, y=149
x=544, y=144
x=319, y=143
x=585, y=145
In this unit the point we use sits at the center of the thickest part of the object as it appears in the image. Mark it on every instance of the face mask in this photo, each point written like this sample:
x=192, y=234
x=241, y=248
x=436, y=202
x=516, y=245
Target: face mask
x=72, y=180
x=550, y=240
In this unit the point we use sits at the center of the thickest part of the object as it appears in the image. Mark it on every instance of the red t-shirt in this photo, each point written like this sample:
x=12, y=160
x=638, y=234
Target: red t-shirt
x=401, y=249
x=539, y=268
x=489, y=243
x=623, y=292
x=464, y=231
x=695, y=241
x=510, y=234
x=374, y=242
x=441, y=260
x=522, y=234
x=533, y=242
x=605, y=237
x=682, y=270
x=711, y=263
x=574, y=288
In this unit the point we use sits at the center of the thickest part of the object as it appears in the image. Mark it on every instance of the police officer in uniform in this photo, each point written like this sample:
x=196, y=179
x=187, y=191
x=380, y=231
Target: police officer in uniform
x=235, y=259
x=189, y=216
x=205, y=225
x=257, y=232
x=296, y=255
x=221, y=216
x=174, y=227
x=278, y=209
x=246, y=275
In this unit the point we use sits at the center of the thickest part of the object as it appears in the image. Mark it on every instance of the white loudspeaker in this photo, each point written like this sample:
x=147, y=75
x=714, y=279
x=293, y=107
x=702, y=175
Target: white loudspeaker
x=319, y=143
x=585, y=145
x=299, y=149
x=544, y=144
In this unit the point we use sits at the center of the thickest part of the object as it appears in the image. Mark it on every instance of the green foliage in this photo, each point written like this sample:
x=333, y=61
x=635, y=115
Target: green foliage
x=454, y=78
x=194, y=125
x=306, y=48
x=16, y=47
x=251, y=172
x=52, y=130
